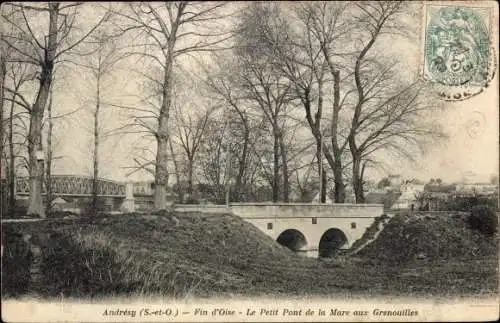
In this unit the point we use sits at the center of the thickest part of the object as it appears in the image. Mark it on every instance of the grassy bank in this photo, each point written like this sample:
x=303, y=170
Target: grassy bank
x=430, y=237
x=209, y=255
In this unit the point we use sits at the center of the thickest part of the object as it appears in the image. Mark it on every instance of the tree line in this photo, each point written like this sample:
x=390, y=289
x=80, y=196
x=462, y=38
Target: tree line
x=229, y=95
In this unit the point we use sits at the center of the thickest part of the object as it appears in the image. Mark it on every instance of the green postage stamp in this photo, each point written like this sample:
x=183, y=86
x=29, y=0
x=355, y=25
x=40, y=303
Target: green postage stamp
x=457, y=48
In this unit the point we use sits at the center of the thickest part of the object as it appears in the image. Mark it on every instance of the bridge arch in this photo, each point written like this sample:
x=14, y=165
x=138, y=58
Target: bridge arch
x=293, y=239
x=332, y=240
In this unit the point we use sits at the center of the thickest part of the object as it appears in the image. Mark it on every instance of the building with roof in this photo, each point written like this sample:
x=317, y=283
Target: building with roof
x=408, y=198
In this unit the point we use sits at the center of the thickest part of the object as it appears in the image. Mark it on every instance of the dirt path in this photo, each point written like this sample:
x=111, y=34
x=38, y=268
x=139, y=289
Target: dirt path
x=380, y=228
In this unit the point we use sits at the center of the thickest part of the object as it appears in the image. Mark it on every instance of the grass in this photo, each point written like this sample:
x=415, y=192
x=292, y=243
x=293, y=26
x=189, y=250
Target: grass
x=370, y=232
x=442, y=237
x=217, y=255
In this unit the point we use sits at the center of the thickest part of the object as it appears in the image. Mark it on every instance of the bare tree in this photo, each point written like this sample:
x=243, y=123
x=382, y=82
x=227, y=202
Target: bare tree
x=45, y=51
x=190, y=133
x=168, y=31
x=297, y=55
x=18, y=79
x=222, y=85
x=389, y=113
x=306, y=185
x=4, y=56
x=325, y=28
x=53, y=119
x=101, y=63
x=262, y=86
x=338, y=47
x=216, y=159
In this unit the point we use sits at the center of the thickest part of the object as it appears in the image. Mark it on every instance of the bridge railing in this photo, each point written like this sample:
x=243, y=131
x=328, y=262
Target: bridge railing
x=204, y=208
x=298, y=210
x=74, y=185
x=304, y=204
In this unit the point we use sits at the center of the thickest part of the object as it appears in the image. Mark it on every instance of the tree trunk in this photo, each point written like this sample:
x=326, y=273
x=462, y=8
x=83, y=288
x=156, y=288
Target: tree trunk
x=276, y=168
x=177, y=174
x=12, y=162
x=357, y=180
x=337, y=151
x=35, y=130
x=339, y=182
x=96, y=144
x=10, y=174
x=190, y=175
x=284, y=162
x=162, y=135
x=227, y=174
x=48, y=182
x=2, y=169
x=242, y=165
x=315, y=126
x=36, y=207
x=161, y=173
x=322, y=174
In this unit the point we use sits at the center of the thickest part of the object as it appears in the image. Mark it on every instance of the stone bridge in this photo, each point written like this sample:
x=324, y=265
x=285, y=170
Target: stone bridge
x=314, y=229
x=311, y=229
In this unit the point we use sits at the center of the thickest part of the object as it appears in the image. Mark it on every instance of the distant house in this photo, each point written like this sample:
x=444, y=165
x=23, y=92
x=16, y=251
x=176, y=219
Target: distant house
x=476, y=189
x=408, y=198
x=440, y=190
x=435, y=196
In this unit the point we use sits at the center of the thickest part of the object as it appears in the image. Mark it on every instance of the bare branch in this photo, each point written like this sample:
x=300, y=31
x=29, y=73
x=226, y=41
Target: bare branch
x=105, y=18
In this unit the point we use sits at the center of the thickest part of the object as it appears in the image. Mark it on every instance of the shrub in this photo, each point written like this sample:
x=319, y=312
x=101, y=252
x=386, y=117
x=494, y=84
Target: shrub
x=86, y=207
x=16, y=263
x=191, y=199
x=466, y=203
x=17, y=212
x=83, y=264
x=484, y=219
x=69, y=267
x=57, y=214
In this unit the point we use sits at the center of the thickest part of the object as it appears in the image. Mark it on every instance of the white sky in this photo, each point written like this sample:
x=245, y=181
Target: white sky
x=473, y=127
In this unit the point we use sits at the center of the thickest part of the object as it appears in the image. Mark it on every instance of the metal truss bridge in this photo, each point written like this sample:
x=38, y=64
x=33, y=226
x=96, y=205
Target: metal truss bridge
x=70, y=185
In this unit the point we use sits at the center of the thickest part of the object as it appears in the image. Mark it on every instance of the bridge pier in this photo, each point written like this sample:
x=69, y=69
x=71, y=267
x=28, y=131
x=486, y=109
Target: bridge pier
x=129, y=202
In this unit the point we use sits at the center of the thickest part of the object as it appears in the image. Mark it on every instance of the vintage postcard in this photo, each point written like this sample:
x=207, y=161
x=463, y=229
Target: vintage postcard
x=249, y=161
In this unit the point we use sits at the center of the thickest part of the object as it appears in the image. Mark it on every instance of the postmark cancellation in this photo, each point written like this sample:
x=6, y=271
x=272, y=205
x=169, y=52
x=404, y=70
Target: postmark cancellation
x=458, y=53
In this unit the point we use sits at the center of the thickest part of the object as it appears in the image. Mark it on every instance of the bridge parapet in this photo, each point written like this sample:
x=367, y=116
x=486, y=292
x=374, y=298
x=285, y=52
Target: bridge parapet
x=203, y=208
x=305, y=210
